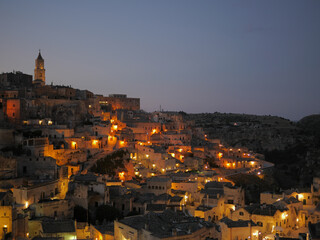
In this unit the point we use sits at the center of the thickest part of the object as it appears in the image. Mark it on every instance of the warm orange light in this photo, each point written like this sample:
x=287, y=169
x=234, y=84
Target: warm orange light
x=121, y=142
x=180, y=150
x=154, y=131
x=284, y=215
x=73, y=144
x=173, y=155
x=220, y=155
x=121, y=176
x=94, y=142
x=115, y=127
x=228, y=164
x=49, y=122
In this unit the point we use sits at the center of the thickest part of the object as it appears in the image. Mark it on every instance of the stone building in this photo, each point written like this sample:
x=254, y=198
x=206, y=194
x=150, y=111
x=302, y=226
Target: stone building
x=27, y=195
x=121, y=101
x=39, y=71
x=15, y=80
x=166, y=225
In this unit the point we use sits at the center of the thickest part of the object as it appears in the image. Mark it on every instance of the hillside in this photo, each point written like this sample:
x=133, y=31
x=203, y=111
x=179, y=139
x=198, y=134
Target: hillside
x=293, y=147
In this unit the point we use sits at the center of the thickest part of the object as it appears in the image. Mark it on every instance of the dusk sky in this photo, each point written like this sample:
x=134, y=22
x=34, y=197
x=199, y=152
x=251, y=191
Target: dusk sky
x=256, y=57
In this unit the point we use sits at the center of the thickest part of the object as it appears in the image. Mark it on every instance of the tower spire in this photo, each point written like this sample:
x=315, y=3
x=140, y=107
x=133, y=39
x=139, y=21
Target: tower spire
x=39, y=71
x=39, y=56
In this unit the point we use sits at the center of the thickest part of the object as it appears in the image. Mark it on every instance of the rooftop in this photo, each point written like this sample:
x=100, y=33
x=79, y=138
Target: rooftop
x=166, y=224
x=237, y=224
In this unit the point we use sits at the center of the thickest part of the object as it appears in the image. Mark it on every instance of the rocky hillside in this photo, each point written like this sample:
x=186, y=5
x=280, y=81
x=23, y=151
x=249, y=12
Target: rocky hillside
x=294, y=147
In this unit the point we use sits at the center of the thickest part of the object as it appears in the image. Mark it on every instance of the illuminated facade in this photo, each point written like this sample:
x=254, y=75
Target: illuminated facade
x=39, y=71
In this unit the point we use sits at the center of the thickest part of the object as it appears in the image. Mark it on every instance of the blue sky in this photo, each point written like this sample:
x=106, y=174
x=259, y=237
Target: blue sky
x=257, y=57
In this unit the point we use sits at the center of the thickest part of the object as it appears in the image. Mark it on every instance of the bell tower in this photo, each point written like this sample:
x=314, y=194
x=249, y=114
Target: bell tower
x=39, y=71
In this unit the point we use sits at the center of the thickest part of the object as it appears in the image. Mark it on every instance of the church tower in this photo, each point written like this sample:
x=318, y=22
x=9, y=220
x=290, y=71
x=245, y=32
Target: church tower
x=39, y=71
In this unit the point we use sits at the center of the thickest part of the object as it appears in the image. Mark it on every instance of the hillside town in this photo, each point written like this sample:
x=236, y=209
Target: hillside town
x=78, y=165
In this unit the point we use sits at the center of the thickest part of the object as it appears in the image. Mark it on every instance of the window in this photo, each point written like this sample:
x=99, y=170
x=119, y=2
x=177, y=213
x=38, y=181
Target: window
x=260, y=224
x=241, y=213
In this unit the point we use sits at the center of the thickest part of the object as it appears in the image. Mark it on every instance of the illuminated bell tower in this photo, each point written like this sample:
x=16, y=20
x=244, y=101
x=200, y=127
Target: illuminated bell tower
x=39, y=71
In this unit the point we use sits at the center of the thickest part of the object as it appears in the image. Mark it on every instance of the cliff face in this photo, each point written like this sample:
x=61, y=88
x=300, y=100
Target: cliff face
x=311, y=125
x=293, y=147
x=258, y=133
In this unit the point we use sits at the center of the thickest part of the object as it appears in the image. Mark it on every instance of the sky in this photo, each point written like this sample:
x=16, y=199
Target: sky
x=255, y=57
